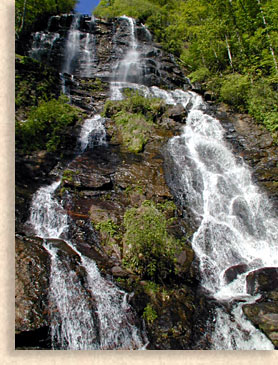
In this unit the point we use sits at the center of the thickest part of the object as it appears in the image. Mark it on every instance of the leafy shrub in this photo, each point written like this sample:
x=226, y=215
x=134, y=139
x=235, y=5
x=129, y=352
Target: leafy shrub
x=148, y=249
x=108, y=227
x=234, y=90
x=149, y=314
x=45, y=126
x=200, y=75
x=263, y=105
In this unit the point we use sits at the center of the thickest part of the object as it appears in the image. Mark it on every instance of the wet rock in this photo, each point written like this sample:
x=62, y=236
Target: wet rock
x=32, y=267
x=184, y=261
x=177, y=112
x=254, y=144
x=265, y=317
x=262, y=280
x=232, y=272
x=167, y=314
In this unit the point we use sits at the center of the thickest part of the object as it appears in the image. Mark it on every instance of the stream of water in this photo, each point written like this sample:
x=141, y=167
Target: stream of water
x=236, y=224
x=98, y=318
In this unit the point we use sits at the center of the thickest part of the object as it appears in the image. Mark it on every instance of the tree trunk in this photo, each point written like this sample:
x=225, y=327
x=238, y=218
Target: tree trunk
x=229, y=52
x=23, y=17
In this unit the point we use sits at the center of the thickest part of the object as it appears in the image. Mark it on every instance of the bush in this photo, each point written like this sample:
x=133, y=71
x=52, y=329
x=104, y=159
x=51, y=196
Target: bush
x=148, y=249
x=149, y=314
x=46, y=125
x=234, y=90
x=263, y=105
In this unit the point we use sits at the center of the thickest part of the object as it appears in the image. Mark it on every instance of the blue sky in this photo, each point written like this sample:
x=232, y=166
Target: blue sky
x=86, y=6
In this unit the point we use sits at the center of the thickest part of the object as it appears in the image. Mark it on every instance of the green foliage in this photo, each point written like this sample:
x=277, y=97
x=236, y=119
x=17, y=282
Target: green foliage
x=34, y=82
x=45, y=126
x=140, y=9
x=212, y=38
x=149, y=249
x=108, y=227
x=200, y=75
x=234, y=90
x=149, y=314
x=27, y=12
x=68, y=175
x=135, y=117
x=135, y=130
x=263, y=104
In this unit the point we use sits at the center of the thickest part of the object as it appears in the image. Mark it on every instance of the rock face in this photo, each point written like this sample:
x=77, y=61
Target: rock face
x=255, y=145
x=108, y=41
x=32, y=266
x=264, y=313
x=262, y=281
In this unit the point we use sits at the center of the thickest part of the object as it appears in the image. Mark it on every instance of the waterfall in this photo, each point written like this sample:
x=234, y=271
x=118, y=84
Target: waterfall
x=236, y=222
x=128, y=69
x=72, y=47
x=81, y=319
x=42, y=45
x=88, y=57
x=92, y=132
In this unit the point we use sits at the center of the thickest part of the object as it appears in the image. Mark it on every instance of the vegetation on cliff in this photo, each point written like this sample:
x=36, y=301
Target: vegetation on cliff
x=45, y=127
x=230, y=47
x=134, y=117
x=30, y=12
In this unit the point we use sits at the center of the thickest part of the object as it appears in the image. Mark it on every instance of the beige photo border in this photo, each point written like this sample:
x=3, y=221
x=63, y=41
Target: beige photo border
x=7, y=352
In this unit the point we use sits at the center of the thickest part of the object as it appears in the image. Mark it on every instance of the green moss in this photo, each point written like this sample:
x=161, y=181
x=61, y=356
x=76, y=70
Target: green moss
x=134, y=129
x=135, y=117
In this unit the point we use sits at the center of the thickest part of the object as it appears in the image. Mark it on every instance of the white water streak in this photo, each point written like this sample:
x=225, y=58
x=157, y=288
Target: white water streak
x=73, y=320
x=92, y=133
x=72, y=45
x=236, y=221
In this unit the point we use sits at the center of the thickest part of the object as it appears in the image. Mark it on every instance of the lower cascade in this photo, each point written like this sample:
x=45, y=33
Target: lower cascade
x=96, y=317
x=234, y=225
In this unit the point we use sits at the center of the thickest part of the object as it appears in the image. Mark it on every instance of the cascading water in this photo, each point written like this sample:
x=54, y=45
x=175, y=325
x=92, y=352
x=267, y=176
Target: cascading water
x=236, y=223
x=72, y=46
x=77, y=324
x=88, y=57
x=42, y=45
x=92, y=132
x=128, y=69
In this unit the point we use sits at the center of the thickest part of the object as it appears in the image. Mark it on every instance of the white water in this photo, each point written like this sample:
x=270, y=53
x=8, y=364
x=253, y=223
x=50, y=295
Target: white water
x=75, y=325
x=128, y=69
x=43, y=44
x=72, y=47
x=88, y=57
x=236, y=223
x=92, y=132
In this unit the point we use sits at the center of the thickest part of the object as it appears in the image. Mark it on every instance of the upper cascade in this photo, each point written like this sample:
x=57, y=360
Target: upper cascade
x=120, y=49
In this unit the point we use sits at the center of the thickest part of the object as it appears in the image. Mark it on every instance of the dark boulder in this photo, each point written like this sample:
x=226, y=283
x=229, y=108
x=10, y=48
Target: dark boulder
x=232, y=272
x=262, y=280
